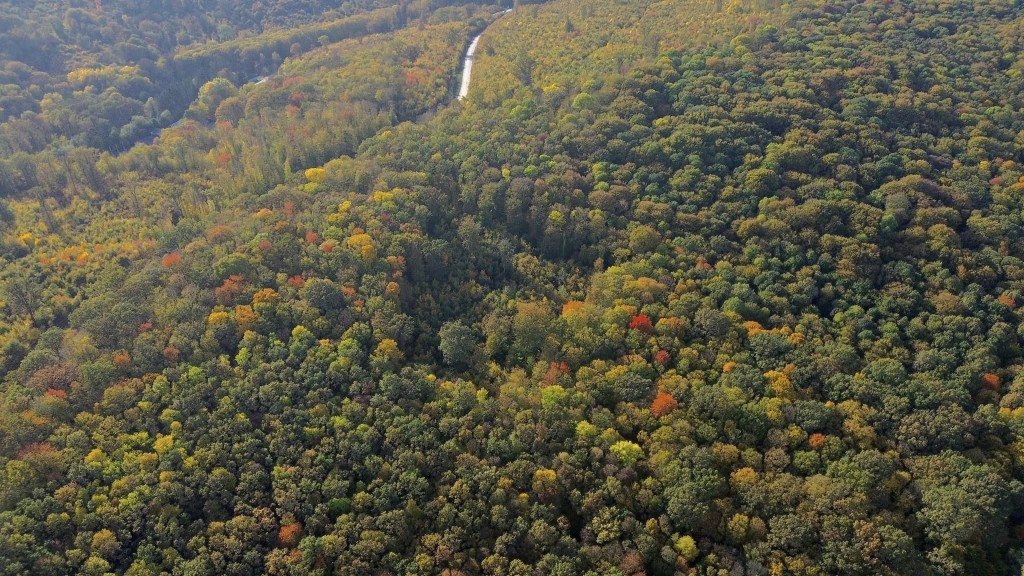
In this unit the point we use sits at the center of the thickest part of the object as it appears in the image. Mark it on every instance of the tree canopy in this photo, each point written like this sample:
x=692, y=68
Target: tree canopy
x=680, y=288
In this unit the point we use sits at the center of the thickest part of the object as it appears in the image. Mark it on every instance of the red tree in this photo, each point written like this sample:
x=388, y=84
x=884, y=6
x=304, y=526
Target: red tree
x=663, y=404
x=642, y=323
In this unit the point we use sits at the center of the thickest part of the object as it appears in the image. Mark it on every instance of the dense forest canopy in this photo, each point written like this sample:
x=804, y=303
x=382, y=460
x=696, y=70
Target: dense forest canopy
x=108, y=75
x=704, y=287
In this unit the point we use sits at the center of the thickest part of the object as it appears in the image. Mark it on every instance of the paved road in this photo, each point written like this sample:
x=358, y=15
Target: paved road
x=467, y=65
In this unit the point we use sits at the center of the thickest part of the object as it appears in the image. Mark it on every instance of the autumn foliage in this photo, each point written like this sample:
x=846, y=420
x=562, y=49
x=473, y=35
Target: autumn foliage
x=290, y=534
x=555, y=369
x=653, y=308
x=171, y=259
x=817, y=440
x=122, y=361
x=571, y=306
x=641, y=323
x=230, y=289
x=663, y=404
x=171, y=354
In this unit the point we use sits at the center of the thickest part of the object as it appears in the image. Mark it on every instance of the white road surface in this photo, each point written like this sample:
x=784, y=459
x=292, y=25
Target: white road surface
x=467, y=65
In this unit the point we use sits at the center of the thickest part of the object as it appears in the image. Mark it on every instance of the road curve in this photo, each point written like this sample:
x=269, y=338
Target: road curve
x=467, y=64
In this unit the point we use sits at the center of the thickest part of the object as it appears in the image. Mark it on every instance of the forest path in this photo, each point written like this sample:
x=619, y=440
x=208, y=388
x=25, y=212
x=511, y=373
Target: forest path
x=467, y=62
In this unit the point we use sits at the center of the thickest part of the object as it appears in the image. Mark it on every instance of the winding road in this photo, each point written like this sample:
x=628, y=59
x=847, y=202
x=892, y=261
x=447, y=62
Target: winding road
x=467, y=71
x=467, y=64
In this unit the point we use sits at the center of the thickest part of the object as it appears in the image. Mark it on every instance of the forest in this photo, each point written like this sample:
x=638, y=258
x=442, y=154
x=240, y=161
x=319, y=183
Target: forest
x=716, y=287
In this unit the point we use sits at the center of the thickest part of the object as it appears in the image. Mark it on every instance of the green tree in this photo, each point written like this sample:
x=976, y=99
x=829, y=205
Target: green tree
x=458, y=344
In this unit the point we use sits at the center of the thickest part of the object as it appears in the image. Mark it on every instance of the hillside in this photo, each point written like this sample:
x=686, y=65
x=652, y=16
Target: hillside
x=680, y=288
x=107, y=75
